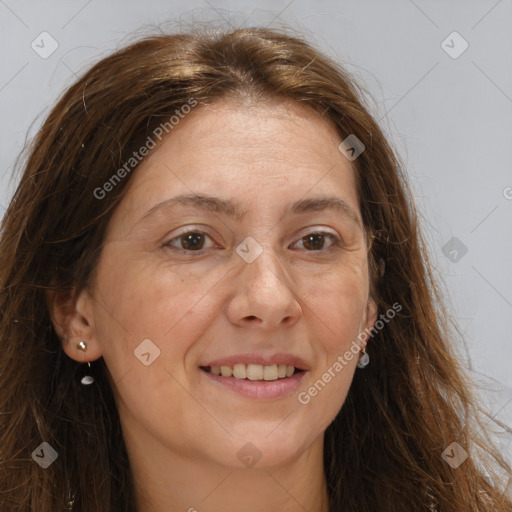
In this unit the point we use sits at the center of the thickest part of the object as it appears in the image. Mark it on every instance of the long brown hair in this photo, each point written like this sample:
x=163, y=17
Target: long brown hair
x=384, y=449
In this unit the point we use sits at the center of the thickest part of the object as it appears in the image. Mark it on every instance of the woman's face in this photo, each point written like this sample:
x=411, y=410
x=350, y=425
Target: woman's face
x=257, y=272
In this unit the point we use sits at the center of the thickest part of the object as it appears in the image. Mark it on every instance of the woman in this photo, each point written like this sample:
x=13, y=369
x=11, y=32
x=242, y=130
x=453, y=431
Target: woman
x=209, y=231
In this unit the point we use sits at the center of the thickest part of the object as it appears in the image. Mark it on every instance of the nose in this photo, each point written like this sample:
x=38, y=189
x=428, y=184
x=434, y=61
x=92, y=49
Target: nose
x=263, y=295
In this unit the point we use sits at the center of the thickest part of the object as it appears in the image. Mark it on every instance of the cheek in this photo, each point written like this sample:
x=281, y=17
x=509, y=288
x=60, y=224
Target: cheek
x=336, y=303
x=336, y=312
x=138, y=301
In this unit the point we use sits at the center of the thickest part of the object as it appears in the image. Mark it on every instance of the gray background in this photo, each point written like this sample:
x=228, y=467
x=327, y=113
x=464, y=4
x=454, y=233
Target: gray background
x=449, y=118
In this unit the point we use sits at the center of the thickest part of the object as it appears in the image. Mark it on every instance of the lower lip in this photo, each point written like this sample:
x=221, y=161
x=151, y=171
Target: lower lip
x=259, y=389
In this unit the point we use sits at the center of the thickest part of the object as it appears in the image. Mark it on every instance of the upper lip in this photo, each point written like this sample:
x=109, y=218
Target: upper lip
x=262, y=359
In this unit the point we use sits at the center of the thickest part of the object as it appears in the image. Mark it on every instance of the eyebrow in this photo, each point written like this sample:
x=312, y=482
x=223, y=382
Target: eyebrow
x=234, y=210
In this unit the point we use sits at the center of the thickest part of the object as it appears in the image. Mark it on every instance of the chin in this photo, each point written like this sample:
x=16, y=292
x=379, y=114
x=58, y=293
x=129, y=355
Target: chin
x=263, y=448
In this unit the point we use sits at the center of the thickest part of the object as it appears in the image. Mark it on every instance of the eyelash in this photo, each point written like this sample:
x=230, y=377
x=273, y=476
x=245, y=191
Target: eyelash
x=335, y=241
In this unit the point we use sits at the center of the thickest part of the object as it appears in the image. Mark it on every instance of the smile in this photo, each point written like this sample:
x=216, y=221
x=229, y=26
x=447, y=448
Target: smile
x=258, y=382
x=253, y=371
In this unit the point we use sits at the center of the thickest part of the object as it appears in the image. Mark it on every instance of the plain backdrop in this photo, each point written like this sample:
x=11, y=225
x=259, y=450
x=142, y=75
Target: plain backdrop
x=439, y=79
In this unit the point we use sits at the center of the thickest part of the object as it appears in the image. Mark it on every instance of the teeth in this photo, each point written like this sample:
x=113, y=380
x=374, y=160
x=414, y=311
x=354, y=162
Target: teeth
x=226, y=371
x=270, y=372
x=240, y=371
x=254, y=371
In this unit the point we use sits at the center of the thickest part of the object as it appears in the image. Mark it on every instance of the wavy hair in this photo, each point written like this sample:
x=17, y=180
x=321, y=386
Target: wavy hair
x=384, y=449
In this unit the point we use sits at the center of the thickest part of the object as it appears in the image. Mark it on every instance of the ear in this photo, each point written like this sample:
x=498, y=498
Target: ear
x=72, y=318
x=370, y=317
x=371, y=312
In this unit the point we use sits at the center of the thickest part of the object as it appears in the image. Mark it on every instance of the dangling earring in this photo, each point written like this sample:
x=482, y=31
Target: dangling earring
x=86, y=379
x=364, y=360
x=70, y=500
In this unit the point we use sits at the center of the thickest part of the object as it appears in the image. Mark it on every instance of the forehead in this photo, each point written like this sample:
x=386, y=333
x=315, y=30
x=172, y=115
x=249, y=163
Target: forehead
x=263, y=154
x=281, y=134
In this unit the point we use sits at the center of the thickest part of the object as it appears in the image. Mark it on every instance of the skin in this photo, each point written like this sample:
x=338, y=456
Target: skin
x=182, y=432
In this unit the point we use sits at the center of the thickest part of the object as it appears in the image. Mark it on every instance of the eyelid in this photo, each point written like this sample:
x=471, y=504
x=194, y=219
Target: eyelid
x=185, y=231
x=336, y=240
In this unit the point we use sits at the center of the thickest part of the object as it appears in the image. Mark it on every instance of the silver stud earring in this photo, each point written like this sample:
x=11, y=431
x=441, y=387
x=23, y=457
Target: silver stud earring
x=86, y=379
x=364, y=360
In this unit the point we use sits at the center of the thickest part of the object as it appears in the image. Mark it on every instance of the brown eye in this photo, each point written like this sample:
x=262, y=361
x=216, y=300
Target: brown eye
x=317, y=241
x=190, y=241
x=314, y=242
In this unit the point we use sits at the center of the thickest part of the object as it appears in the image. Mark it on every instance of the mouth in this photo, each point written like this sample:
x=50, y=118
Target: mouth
x=257, y=378
x=253, y=372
